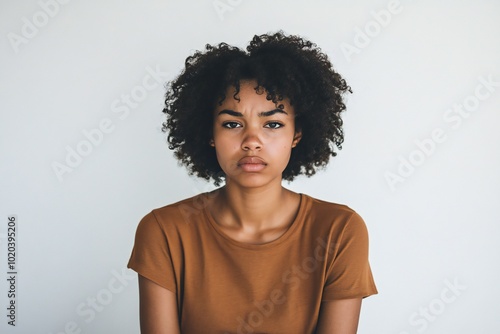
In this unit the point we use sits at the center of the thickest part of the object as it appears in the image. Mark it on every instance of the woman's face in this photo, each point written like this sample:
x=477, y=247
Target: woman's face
x=252, y=138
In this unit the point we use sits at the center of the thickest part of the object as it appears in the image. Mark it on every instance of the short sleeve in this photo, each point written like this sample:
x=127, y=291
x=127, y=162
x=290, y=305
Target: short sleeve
x=349, y=275
x=151, y=255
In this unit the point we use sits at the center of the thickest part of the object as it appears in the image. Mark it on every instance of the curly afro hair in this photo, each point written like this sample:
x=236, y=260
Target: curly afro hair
x=286, y=67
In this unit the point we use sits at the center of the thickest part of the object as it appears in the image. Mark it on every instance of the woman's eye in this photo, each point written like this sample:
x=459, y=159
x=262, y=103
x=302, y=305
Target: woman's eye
x=230, y=125
x=274, y=125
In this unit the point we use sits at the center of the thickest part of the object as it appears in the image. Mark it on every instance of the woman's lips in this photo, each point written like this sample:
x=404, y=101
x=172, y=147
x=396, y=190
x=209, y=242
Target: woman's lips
x=251, y=164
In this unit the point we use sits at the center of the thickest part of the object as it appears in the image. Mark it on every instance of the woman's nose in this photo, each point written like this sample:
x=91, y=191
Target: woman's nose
x=251, y=141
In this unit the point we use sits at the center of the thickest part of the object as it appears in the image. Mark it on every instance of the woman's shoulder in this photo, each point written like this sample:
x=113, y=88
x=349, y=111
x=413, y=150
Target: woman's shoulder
x=176, y=215
x=183, y=210
x=336, y=216
x=338, y=213
x=327, y=205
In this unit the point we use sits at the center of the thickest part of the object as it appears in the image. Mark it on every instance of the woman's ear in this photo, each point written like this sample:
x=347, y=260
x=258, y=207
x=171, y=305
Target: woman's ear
x=211, y=143
x=296, y=138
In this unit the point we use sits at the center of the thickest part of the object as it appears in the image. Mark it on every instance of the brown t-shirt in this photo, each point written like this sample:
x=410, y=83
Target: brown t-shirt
x=226, y=286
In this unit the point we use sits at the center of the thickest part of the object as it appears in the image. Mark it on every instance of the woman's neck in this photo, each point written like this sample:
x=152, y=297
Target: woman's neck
x=254, y=209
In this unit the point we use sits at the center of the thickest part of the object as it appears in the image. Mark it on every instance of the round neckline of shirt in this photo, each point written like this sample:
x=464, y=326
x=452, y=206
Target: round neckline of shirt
x=298, y=220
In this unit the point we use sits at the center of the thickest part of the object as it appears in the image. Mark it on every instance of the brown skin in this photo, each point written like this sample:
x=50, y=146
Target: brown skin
x=253, y=206
x=158, y=309
x=339, y=316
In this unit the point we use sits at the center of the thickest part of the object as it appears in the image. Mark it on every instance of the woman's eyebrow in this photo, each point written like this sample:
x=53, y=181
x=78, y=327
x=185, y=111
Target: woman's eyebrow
x=261, y=114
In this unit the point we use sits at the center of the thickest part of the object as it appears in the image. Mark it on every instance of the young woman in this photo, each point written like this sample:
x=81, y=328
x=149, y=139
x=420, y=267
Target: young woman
x=253, y=256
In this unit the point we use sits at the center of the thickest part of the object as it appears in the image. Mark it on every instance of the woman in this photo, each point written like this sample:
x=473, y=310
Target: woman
x=253, y=256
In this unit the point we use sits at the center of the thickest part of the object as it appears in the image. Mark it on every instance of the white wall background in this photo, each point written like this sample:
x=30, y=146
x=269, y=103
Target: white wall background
x=67, y=67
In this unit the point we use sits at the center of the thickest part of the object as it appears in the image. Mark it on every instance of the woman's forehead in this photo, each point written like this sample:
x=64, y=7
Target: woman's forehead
x=250, y=95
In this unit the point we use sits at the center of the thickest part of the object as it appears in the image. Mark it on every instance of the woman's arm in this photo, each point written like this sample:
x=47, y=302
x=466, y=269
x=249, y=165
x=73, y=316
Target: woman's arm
x=158, y=308
x=339, y=316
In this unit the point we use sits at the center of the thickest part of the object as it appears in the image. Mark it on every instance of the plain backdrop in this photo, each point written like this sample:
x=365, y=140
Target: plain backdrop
x=83, y=158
